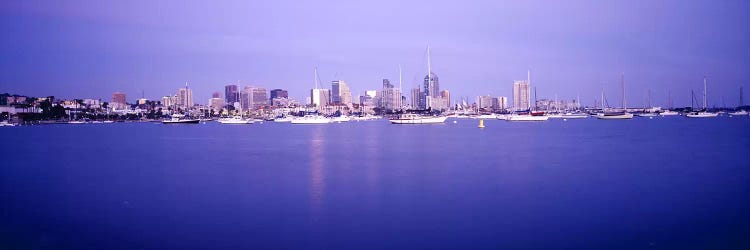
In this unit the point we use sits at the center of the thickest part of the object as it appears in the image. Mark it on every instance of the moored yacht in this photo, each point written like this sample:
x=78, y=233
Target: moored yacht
x=668, y=113
x=418, y=119
x=342, y=118
x=614, y=115
x=739, y=112
x=180, y=119
x=311, y=119
x=235, y=120
x=703, y=113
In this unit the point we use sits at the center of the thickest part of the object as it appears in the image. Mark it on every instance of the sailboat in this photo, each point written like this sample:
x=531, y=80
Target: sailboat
x=739, y=112
x=417, y=118
x=616, y=115
x=703, y=113
x=528, y=115
x=647, y=112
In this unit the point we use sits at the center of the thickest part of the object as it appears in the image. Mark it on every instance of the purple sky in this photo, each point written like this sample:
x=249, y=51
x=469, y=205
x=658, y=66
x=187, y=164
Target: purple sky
x=89, y=49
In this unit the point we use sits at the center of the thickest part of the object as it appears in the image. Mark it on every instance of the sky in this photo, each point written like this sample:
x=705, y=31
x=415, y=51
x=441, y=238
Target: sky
x=90, y=49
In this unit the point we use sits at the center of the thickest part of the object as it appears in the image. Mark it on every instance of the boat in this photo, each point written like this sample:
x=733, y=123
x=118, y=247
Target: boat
x=236, y=120
x=668, y=113
x=342, y=118
x=6, y=124
x=418, y=119
x=574, y=116
x=646, y=114
x=703, y=113
x=611, y=115
x=311, y=119
x=76, y=122
x=739, y=112
x=282, y=119
x=180, y=119
x=487, y=116
x=616, y=115
x=527, y=118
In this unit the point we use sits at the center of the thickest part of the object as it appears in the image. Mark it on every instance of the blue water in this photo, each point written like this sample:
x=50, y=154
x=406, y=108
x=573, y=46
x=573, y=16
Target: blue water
x=665, y=183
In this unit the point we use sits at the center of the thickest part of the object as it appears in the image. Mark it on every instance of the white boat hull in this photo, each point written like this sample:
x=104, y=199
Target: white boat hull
x=430, y=120
x=702, y=115
x=668, y=113
x=739, y=113
x=311, y=121
x=615, y=117
x=236, y=121
x=527, y=118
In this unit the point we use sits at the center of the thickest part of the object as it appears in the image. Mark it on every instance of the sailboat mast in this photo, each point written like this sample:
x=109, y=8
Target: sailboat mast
x=528, y=95
x=704, y=92
x=316, y=77
x=622, y=82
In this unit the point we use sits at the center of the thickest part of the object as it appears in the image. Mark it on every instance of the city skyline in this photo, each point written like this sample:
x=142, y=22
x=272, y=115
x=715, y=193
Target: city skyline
x=149, y=47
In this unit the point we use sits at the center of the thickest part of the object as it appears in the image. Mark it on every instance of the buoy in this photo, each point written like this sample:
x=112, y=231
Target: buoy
x=481, y=123
x=565, y=120
x=454, y=122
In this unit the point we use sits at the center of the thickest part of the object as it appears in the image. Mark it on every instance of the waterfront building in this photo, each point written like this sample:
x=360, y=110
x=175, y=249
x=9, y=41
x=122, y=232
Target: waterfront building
x=118, y=97
x=389, y=97
x=416, y=98
x=521, y=95
x=185, y=97
x=502, y=103
x=231, y=94
x=485, y=102
x=431, y=88
x=279, y=93
x=340, y=93
x=254, y=97
x=216, y=103
x=446, y=95
x=320, y=97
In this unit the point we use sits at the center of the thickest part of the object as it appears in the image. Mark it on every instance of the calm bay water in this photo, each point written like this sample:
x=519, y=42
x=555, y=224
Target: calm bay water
x=661, y=183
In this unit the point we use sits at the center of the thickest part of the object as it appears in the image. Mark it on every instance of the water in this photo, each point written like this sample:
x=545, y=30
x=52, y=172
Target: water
x=662, y=183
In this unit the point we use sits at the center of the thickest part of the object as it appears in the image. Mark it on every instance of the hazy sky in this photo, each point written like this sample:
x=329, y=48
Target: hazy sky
x=89, y=49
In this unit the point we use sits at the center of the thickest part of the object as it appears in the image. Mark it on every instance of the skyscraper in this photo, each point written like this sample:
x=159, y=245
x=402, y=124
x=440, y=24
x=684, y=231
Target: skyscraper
x=521, y=95
x=390, y=97
x=231, y=94
x=446, y=95
x=431, y=89
x=118, y=97
x=279, y=93
x=185, y=97
x=320, y=97
x=340, y=93
x=416, y=98
x=253, y=97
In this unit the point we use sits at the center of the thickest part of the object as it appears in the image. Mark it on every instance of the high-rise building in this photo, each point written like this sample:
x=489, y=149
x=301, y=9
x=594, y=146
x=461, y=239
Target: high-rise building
x=446, y=95
x=216, y=103
x=521, y=95
x=502, y=102
x=118, y=97
x=431, y=89
x=485, y=102
x=389, y=97
x=279, y=93
x=320, y=97
x=231, y=94
x=340, y=93
x=185, y=97
x=253, y=97
x=416, y=98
